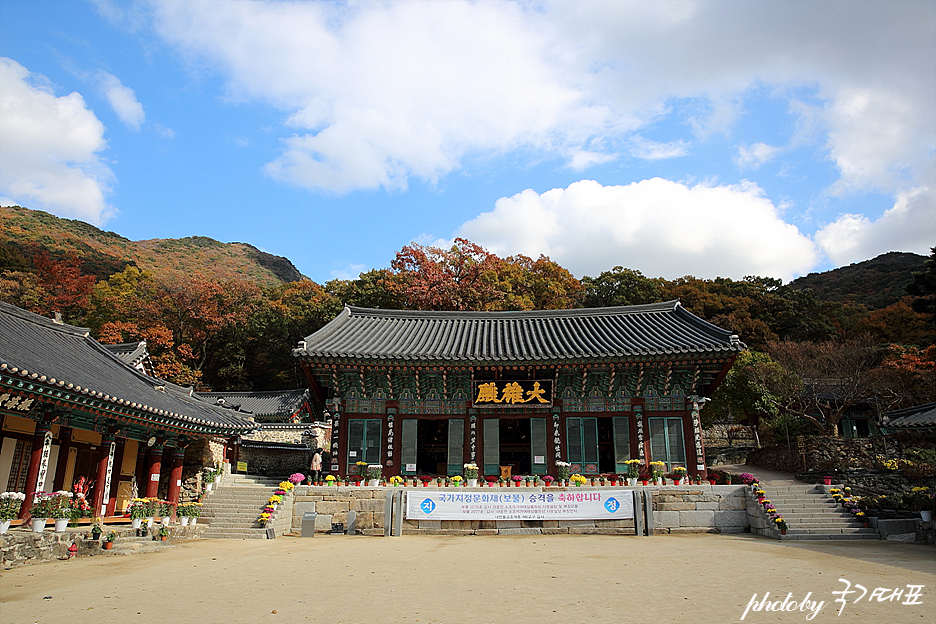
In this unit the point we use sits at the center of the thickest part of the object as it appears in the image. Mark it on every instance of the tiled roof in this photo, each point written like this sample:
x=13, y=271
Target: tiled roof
x=923, y=416
x=282, y=403
x=537, y=336
x=55, y=357
x=133, y=353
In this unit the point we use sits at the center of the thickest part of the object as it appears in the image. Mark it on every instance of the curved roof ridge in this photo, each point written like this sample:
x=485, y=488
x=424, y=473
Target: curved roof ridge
x=664, y=328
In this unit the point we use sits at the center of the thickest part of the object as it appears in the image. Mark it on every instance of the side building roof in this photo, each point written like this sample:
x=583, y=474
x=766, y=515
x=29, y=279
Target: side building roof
x=61, y=363
x=664, y=329
x=917, y=417
x=263, y=405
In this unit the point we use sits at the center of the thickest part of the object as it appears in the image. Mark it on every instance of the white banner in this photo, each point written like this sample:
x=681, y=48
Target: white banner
x=603, y=504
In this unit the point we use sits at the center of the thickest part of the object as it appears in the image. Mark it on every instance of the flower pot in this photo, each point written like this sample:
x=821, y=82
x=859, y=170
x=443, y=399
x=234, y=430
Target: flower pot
x=149, y=522
x=927, y=516
x=865, y=524
x=61, y=524
x=4, y=526
x=372, y=483
x=136, y=523
x=207, y=488
x=163, y=538
x=108, y=545
x=166, y=519
x=827, y=480
x=782, y=531
x=193, y=521
x=643, y=482
x=184, y=520
x=547, y=483
x=613, y=483
x=632, y=481
x=472, y=483
x=38, y=524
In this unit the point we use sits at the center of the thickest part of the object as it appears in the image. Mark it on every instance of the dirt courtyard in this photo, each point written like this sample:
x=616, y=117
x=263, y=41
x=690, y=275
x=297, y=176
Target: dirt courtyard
x=479, y=580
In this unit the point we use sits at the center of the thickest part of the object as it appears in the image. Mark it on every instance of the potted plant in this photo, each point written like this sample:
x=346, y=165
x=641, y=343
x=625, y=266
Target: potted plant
x=679, y=472
x=296, y=478
x=562, y=470
x=633, y=470
x=189, y=512
x=657, y=469
x=456, y=480
x=578, y=480
x=10, y=503
x=109, y=540
x=548, y=480
x=781, y=524
x=50, y=505
x=471, y=474
x=163, y=533
x=373, y=473
x=96, y=529
x=396, y=481
x=517, y=480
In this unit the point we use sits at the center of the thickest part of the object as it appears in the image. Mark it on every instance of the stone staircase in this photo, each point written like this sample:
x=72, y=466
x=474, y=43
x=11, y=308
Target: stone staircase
x=232, y=508
x=811, y=514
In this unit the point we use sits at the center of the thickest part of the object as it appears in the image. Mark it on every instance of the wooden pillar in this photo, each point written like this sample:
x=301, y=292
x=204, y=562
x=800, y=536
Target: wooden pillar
x=101, y=486
x=175, y=479
x=35, y=461
x=115, y=476
x=61, y=466
x=152, y=475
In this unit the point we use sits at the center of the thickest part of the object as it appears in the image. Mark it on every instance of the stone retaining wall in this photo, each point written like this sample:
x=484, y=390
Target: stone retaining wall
x=676, y=509
x=21, y=546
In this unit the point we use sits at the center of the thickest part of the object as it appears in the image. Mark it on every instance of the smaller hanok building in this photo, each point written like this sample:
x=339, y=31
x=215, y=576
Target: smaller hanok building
x=73, y=408
x=423, y=393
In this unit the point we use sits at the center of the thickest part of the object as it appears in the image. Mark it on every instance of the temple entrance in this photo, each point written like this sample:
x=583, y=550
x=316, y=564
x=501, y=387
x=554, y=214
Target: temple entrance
x=431, y=446
x=515, y=443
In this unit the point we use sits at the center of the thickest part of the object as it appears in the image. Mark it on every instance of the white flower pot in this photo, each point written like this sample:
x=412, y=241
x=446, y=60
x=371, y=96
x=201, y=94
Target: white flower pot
x=207, y=488
x=193, y=521
x=632, y=481
x=373, y=482
x=61, y=524
x=5, y=526
x=472, y=483
x=137, y=523
x=927, y=516
x=184, y=520
x=166, y=519
x=217, y=479
x=149, y=522
x=38, y=524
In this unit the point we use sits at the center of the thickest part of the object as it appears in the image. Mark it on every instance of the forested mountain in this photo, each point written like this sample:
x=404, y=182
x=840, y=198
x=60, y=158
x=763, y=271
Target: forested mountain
x=225, y=316
x=874, y=283
x=25, y=233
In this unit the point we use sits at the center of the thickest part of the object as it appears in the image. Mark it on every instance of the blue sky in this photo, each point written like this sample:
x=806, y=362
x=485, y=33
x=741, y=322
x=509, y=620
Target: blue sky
x=676, y=138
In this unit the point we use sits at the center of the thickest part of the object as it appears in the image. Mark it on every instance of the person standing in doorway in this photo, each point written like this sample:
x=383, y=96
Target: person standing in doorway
x=316, y=466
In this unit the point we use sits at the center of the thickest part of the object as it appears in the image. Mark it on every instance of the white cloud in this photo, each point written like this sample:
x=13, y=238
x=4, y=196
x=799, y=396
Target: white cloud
x=653, y=150
x=659, y=227
x=379, y=92
x=122, y=99
x=910, y=225
x=49, y=157
x=753, y=156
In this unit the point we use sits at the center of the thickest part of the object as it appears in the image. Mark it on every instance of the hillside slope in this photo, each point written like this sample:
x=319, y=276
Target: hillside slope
x=876, y=283
x=24, y=232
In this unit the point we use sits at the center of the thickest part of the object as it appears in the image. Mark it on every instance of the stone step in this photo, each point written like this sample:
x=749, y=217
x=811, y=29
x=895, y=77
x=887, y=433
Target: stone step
x=827, y=536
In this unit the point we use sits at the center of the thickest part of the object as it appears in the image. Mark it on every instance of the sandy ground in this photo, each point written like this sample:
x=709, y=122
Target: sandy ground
x=498, y=579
